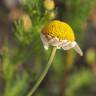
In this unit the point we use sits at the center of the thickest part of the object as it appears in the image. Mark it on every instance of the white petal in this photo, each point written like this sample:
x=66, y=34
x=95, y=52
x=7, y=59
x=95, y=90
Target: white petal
x=69, y=45
x=44, y=41
x=54, y=41
x=74, y=43
x=78, y=49
x=46, y=47
x=66, y=45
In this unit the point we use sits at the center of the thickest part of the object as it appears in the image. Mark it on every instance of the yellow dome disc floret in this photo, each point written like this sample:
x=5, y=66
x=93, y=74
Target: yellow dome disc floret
x=59, y=29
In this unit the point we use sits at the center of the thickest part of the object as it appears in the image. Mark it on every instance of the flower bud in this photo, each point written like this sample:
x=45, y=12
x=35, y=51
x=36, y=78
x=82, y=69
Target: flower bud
x=26, y=21
x=49, y=4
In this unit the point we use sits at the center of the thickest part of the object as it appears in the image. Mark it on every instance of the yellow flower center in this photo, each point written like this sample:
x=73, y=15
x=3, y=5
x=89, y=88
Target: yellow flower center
x=59, y=29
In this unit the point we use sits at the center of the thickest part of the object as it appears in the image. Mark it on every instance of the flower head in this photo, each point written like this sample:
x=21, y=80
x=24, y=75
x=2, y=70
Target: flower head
x=59, y=34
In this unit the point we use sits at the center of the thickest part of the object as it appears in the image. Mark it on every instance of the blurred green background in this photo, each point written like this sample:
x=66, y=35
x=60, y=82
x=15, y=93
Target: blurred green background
x=23, y=58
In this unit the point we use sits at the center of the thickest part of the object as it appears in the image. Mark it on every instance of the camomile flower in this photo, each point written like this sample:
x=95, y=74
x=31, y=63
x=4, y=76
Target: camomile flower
x=60, y=35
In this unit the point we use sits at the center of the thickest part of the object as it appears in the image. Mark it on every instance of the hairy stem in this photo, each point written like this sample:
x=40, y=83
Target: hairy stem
x=44, y=73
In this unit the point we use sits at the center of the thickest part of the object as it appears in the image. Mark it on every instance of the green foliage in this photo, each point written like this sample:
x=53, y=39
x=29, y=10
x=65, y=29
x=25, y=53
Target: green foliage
x=77, y=13
x=22, y=36
x=79, y=80
x=17, y=87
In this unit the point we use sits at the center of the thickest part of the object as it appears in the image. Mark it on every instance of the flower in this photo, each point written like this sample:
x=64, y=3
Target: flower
x=61, y=35
x=49, y=4
x=26, y=21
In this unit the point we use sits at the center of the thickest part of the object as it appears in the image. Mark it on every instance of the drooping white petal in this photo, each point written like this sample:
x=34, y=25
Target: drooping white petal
x=61, y=43
x=74, y=43
x=44, y=41
x=54, y=41
x=46, y=47
x=78, y=49
x=69, y=45
x=66, y=45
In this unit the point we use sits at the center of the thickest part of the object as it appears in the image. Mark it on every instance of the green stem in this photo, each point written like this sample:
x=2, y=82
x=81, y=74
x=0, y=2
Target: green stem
x=44, y=72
